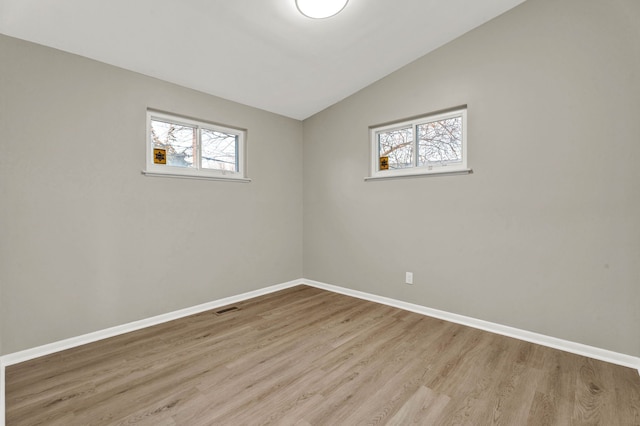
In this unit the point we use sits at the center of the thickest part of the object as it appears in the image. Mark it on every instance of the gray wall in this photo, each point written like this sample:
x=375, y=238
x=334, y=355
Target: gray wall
x=545, y=235
x=87, y=242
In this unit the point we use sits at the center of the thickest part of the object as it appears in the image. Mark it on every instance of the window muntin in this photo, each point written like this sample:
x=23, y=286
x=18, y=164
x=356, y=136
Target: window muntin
x=185, y=147
x=429, y=144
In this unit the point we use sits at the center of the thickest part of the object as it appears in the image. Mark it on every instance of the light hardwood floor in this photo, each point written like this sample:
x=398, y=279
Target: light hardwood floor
x=305, y=356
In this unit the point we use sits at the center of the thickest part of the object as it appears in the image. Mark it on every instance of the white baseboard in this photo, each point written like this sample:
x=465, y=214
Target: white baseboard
x=528, y=336
x=73, y=342
x=26, y=355
x=567, y=346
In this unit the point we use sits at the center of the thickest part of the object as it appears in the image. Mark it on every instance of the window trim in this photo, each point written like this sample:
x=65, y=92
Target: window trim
x=156, y=170
x=415, y=170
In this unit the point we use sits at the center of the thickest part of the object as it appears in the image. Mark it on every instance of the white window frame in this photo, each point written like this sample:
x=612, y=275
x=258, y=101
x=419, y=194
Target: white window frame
x=164, y=170
x=415, y=170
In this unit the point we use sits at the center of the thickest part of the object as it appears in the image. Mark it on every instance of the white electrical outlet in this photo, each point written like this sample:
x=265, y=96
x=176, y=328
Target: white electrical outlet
x=408, y=278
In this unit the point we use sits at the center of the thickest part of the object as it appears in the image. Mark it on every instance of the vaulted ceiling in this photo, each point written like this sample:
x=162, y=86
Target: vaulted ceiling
x=261, y=53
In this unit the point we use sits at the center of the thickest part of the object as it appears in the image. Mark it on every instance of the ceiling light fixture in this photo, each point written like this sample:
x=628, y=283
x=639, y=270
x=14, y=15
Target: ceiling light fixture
x=320, y=8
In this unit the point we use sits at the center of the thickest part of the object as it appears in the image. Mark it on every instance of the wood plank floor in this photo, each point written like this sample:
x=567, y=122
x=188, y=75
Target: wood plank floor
x=304, y=356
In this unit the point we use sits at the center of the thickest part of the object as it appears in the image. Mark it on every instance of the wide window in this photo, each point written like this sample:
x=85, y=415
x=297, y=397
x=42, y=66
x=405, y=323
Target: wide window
x=183, y=147
x=430, y=144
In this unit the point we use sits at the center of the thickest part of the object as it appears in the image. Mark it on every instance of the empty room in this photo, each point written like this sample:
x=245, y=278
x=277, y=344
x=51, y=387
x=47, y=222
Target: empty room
x=304, y=212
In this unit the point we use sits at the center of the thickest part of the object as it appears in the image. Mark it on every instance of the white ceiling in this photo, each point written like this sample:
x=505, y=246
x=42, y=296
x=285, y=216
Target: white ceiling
x=262, y=53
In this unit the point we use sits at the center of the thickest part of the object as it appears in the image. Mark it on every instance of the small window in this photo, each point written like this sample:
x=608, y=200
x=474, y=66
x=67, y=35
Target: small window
x=183, y=147
x=430, y=144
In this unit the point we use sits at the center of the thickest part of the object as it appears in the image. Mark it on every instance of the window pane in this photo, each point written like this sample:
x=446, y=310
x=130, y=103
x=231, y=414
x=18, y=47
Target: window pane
x=397, y=145
x=219, y=150
x=440, y=142
x=178, y=140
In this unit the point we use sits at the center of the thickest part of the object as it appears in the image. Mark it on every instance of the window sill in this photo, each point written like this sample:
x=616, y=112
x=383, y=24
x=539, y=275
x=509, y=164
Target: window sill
x=200, y=177
x=420, y=175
